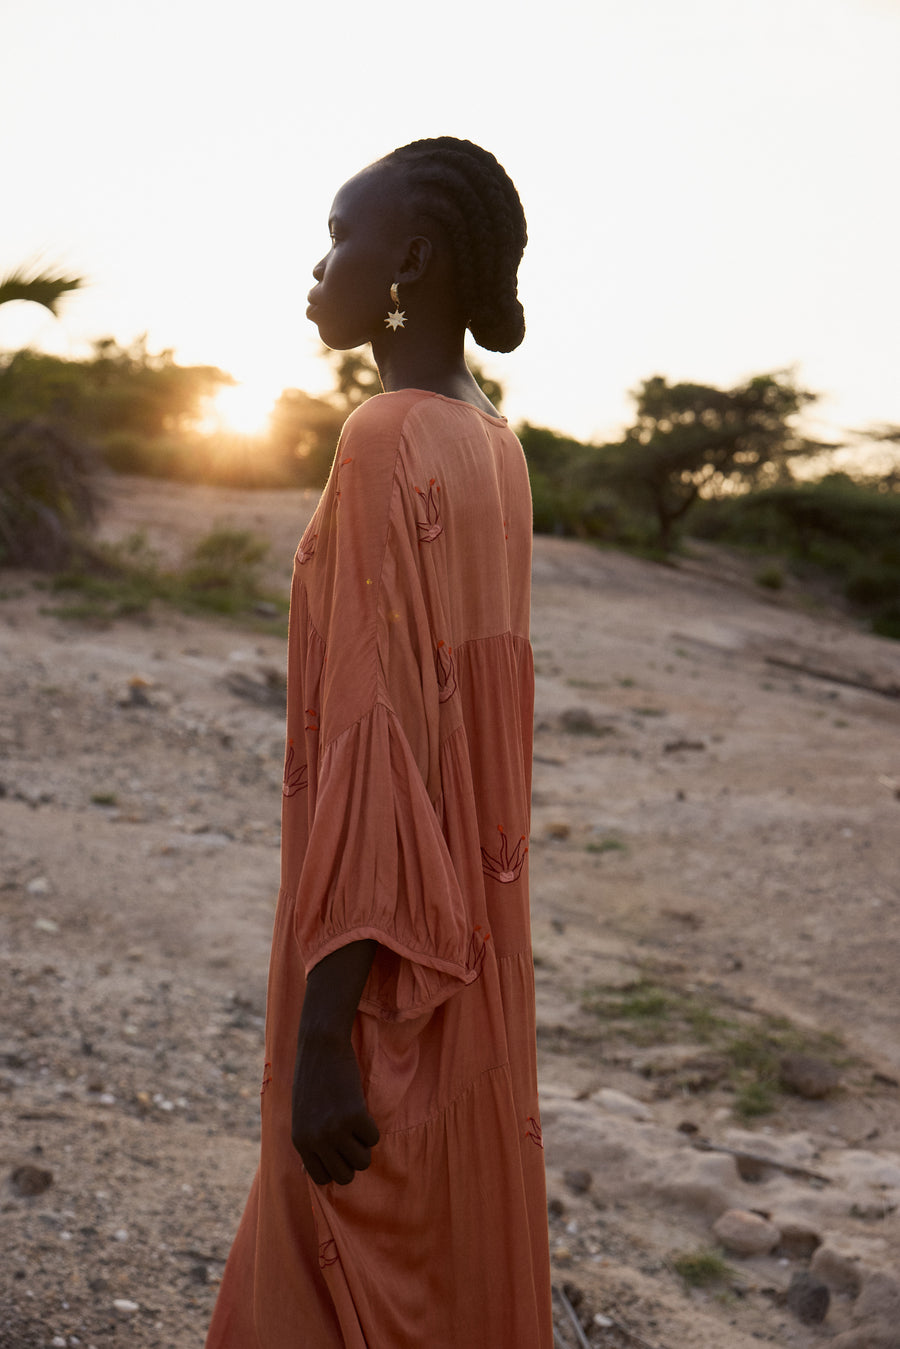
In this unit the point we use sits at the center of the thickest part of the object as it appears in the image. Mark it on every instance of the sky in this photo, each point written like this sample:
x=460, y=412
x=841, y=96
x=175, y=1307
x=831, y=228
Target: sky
x=711, y=187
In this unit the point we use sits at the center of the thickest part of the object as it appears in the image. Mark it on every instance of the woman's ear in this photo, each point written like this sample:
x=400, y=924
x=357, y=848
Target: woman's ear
x=419, y=253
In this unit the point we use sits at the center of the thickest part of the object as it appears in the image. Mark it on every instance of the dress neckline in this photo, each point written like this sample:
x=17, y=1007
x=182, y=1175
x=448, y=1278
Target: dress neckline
x=458, y=402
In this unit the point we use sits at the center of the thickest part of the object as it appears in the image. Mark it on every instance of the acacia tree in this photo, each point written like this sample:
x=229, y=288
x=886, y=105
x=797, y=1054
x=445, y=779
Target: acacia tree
x=690, y=440
x=46, y=480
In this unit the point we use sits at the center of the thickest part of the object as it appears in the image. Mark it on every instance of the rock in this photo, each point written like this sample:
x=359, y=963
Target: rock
x=872, y=1335
x=799, y=1239
x=266, y=686
x=618, y=1103
x=558, y=829
x=30, y=1180
x=880, y=1297
x=746, y=1233
x=579, y=1182
x=808, y=1076
x=706, y=1183
x=125, y=1305
x=579, y=721
x=38, y=885
x=841, y=1272
x=808, y=1298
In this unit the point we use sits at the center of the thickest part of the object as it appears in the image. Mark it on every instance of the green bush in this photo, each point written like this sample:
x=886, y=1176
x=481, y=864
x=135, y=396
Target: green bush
x=48, y=493
x=847, y=529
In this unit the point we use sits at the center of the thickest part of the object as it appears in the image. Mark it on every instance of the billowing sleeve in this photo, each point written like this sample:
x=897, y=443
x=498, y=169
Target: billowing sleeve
x=377, y=864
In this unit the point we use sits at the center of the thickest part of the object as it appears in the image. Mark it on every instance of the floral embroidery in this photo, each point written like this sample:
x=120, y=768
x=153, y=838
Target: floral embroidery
x=446, y=671
x=431, y=526
x=328, y=1253
x=534, y=1131
x=313, y=723
x=477, y=950
x=504, y=866
x=341, y=466
x=306, y=549
x=295, y=779
x=267, y=1078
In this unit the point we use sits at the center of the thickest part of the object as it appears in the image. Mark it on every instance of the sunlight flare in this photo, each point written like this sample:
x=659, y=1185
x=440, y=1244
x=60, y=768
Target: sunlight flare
x=243, y=407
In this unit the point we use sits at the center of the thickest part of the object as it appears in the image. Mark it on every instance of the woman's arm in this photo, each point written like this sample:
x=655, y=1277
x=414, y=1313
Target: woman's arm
x=331, y=1128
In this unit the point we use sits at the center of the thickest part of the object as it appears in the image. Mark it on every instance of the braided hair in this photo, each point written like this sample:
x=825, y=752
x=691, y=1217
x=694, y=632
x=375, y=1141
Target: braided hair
x=467, y=192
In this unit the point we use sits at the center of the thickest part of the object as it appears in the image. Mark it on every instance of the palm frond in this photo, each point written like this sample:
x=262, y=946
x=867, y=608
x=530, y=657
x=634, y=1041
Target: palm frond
x=40, y=287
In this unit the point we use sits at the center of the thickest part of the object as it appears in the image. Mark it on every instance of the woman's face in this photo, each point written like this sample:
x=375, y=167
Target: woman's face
x=368, y=244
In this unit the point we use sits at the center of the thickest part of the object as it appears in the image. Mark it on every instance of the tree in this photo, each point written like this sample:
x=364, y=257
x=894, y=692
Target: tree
x=47, y=489
x=303, y=433
x=42, y=288
x=692, y=440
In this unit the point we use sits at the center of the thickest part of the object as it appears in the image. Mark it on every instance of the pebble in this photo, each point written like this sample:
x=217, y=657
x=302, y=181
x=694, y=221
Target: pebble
x=746, y=1233
x=621, y=1104
x=579, y=1181
x=30, y=1180
x=579, y=721
x=124, y=1304
x=808, y=1076
x=808, y=1298
x=704, y=1182
x=841, y=1272
x=39, y=885
x=799, y=1239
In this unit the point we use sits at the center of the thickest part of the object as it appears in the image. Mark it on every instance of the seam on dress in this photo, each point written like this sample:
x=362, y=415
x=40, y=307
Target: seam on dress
x=503, y=1067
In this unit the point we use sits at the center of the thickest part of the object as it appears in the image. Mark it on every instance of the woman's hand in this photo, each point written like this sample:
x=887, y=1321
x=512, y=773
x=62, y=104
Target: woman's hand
x=330, y=1126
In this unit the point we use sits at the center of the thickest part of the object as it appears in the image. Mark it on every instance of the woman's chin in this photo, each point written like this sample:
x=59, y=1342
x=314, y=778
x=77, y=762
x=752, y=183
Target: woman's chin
x=336, y=340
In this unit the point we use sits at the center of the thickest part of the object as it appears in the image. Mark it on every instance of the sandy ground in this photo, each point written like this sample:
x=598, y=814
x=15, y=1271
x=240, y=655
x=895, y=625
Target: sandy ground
x=716, y=822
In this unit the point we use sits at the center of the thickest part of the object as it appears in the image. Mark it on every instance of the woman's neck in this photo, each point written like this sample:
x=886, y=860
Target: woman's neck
x=410, y=365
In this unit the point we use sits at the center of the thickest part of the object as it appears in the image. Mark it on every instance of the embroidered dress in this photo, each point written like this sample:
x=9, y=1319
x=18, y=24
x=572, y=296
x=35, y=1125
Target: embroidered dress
x=406, y=812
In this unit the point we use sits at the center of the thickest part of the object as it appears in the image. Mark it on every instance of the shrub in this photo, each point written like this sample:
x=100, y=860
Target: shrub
x=48, y=494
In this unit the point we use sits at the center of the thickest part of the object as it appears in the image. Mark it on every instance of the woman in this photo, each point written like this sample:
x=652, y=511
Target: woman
x=400, y=1199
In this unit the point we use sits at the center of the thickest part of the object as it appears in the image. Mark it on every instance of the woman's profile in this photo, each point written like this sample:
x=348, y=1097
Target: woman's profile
x=400, y=1199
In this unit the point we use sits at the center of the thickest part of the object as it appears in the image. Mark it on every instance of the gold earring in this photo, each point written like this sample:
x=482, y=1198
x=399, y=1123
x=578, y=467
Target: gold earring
x=397, y=319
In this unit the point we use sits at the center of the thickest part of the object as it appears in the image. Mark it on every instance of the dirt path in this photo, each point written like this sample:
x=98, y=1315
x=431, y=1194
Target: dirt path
x=715, y=846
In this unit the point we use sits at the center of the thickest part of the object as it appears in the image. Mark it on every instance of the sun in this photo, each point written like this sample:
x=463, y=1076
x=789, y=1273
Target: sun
x=243, y=407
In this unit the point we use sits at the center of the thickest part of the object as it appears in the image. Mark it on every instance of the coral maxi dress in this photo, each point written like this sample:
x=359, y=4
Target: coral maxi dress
x=406, y=815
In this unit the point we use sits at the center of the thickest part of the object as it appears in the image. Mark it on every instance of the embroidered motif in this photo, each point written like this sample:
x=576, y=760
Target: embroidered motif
x=306, y=550
x=477, y=950
x=313, y=723
x=431, y=526
x=446, y=671
x=504, y=866
x=340, y=467
x=295, y=779
x=267, y=1078
x=328, y=1253
x=534, y=1131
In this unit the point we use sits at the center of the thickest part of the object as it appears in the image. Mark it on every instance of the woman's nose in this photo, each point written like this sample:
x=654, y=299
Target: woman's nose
x=319, y=269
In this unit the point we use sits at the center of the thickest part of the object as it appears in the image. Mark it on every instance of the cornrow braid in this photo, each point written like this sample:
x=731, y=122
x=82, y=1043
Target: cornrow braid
x=462, y=186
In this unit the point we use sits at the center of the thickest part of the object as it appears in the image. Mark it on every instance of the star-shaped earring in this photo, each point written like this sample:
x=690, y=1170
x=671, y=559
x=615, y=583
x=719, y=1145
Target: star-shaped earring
x=398, y=318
